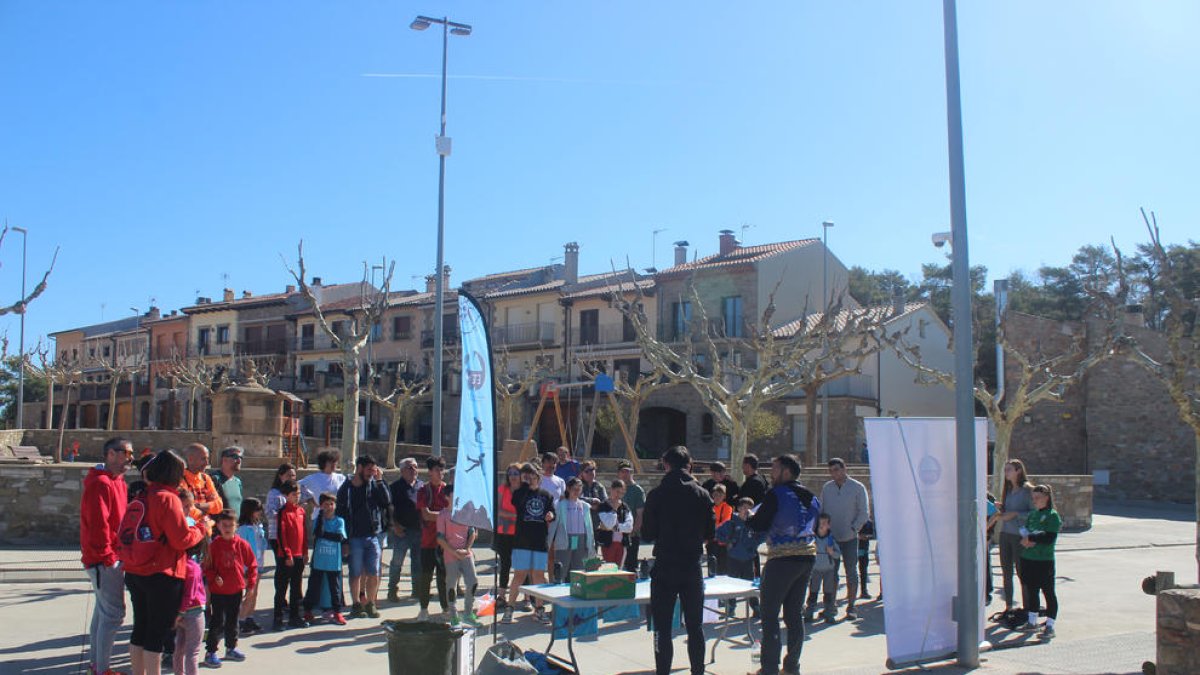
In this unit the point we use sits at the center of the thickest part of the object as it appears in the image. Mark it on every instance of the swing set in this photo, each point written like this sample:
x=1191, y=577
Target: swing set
x=549, y=391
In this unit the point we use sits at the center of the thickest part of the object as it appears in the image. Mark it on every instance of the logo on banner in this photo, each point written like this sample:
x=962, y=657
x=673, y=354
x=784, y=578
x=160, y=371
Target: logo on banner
x=475, y=375
x=930, y=470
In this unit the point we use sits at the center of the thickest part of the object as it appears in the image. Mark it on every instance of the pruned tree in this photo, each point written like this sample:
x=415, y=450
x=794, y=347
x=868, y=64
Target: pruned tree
x=1179, y=367
x=61, y=371
x=40, y=366
x=514, y=382
x=351, y=342
x=19, y=306
x=631, y=396
x=1044, y=369
x=736, y=376
x=199, y=375
x=398, y=399
x=118, y=368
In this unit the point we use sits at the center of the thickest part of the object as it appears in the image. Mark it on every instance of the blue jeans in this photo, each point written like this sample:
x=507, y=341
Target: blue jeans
x=364, y=557
x=108, y=583
x=408, y=544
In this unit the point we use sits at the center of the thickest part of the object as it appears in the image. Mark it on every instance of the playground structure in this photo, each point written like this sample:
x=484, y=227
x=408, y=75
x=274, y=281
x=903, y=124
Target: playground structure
x=602, y=385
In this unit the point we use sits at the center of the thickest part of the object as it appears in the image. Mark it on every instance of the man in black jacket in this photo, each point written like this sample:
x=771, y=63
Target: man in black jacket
x=405, y=536
x=363, y=502
x=679, y=518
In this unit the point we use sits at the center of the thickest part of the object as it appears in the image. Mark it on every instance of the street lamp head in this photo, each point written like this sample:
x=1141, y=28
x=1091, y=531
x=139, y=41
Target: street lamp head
x=827, y=224
x=460, y=30
x=940, y=239
x=19, y=229
x=420, y=23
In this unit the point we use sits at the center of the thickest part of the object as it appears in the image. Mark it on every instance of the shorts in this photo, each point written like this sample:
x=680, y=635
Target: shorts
x=364, y=557
x=524, y=560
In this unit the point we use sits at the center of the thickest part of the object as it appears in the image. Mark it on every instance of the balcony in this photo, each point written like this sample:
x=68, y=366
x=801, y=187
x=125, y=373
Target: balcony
x=266, y=347
x=539, y=333
x=607, y=334
x=449, y=337
x=313, y=343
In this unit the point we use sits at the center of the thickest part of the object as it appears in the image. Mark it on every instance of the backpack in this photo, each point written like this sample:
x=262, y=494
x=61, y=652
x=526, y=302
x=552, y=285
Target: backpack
x=136, y=544
x=1011, y=619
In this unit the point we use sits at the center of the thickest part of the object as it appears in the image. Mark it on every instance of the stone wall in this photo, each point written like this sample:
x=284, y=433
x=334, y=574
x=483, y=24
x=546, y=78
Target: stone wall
x=91, y=441
x=1178, y=632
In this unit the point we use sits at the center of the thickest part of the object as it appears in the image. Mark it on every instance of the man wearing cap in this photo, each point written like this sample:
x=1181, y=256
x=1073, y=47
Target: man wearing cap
x=362, y=502
x=718, y=474
x=406, y=528
x=635, y=499
x=229, y=484
x=196, y=479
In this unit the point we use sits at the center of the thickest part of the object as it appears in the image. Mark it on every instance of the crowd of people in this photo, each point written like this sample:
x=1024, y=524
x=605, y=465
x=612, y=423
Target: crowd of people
x=189, y=546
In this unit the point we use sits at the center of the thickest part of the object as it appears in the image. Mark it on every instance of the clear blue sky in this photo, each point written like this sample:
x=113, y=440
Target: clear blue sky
x=165, y=144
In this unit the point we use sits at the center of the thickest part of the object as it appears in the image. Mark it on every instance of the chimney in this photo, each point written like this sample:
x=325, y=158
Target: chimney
x=571, y=263
x=316, y=281
x=729, y=243
x=290, y=288
x=898, y=303
x=430, y=283
x=445, y=277
x=1134, y=316
x=200, y=299
x=154, y=313
x=228, y=295
x=246, y=294
x=680, y=252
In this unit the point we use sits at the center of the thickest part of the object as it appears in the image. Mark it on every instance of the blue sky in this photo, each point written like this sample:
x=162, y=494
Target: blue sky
x=166, y=144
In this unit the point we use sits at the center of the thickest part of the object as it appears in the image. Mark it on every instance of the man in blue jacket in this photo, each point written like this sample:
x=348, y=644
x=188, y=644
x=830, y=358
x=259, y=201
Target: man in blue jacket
x=787, y=516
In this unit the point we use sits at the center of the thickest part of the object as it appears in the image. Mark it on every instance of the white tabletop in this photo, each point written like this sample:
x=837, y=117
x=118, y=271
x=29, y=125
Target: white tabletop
x=719, y=588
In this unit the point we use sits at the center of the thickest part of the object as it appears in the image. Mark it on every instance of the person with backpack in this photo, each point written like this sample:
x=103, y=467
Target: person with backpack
x=788, y=514
x=152, y=545
x=101, y=509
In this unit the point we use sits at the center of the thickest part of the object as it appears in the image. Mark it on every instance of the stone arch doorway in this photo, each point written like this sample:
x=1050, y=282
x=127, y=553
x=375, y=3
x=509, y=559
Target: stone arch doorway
x=660, y=428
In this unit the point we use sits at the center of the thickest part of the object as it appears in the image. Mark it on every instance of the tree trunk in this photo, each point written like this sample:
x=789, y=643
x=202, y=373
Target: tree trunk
x=191, y=412
x=811, y=458
x=1196, y=475
x=112, y=401
x=1004, y=432
x=635, y=418
x=50, y=403
x=62, y=425
x=351, y=391
x=738, y=439
x=397, y=411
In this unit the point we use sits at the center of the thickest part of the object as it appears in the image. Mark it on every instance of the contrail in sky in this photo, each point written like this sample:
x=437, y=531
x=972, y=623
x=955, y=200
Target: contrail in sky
x=512, y=78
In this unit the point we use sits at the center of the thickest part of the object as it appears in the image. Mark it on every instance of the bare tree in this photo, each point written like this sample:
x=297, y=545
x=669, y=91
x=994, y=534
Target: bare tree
x=199, y=375
x=399, y=400
x=39, y=366
x=55, y=372
x=513, y=384
x=119, y=368
x=1179, y=368
x=350, y=342
x=633, y=395
x=736, y=376
x=19, y=306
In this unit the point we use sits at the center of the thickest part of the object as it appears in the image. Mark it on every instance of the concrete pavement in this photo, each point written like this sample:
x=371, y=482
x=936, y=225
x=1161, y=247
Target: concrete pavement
x=1106, y=624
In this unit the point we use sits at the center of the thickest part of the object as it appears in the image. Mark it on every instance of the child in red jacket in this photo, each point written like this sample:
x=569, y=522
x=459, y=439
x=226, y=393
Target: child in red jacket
x=292, y=553
x=230, y=568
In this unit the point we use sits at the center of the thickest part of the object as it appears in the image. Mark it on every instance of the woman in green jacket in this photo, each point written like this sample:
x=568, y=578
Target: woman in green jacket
x=1037, y=560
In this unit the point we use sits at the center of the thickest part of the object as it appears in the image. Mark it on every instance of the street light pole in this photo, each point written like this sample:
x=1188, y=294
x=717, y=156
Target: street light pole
x=443, y=150
x=967, y=607
x=827, y=301
x=21, y=344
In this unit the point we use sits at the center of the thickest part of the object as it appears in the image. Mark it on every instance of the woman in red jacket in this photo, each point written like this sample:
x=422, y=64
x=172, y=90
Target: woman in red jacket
x=155, y=573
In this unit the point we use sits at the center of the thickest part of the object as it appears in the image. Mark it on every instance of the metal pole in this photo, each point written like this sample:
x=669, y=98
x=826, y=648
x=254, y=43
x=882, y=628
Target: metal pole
x=21, y=346
x=439, y=282
x=824, y=454
x=970, y=594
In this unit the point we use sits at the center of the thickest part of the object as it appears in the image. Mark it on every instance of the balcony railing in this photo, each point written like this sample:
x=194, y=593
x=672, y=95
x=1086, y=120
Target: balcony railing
x=607, y=334
x=262, y=347
x=449, y=337
x=537, y=333
x=314, y=343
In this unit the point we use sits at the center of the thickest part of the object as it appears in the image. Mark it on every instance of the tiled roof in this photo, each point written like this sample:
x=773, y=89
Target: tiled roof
x=875, y=312
x=601, y=284
x=116, y=326
x=418, y=299
x=501, y=276
x=510, y=292
x=743, y=255
x=239, y=303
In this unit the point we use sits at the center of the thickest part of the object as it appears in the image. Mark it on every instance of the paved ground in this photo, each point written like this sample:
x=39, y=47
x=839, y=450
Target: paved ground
x=1106, y=623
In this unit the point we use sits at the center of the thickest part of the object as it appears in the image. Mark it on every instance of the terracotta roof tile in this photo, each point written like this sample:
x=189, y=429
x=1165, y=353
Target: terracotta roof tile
x=809, y=322
x=743, y=255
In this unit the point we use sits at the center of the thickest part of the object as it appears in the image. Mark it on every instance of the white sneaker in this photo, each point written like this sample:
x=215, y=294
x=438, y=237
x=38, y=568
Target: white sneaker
x=423, y=615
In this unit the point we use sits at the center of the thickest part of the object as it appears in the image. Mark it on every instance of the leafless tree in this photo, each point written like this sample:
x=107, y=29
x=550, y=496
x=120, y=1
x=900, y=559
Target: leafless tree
x=398, y=399
x=1179, y=367
x=736, y=376
x=200, y=375
x=351, y=342
x=60, y=371
x=631, y=396
x=19, y=306
x=514, y=382
x=119, y=367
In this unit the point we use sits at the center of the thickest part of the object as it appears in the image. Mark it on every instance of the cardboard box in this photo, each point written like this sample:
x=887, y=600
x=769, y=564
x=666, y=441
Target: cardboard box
x=603, y=585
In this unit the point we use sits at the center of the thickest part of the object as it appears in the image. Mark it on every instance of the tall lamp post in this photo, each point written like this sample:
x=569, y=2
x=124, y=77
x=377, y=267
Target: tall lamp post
x=827, y=301
x=443, y=151
x=969, y=525
x=21, y=344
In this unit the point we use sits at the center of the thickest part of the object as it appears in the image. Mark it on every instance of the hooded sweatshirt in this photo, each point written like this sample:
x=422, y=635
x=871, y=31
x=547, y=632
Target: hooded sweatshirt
x=679, y=519
x=164, y=514
x=100, y=511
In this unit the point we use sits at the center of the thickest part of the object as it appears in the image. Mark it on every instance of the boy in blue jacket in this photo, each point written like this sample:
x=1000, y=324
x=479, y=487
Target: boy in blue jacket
x=741, y=545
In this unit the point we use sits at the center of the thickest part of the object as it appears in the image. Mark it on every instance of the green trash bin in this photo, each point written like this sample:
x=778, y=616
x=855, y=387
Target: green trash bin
x=423, y=647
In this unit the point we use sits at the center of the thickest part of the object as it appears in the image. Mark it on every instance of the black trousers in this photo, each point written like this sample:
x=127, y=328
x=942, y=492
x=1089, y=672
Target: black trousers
x=155, y=602
x=318, y=579
x=668, y=583
x=631, y=553
x=742, y=569
x=784, y=585
x=288, y=581
x=224, y=620
x=1037, y=579
x=431, y=564
x=504, y=549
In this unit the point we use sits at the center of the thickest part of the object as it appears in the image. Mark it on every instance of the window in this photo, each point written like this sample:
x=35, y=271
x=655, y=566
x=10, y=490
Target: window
x=308, y=373
x=307, y=336
x=628, y=333
x=223, y=335
x=799, y=434
x=706, y=427
x=731, y=312
x=681, y=318
x=339, y=328
x=401, y=327
x=107, y=351
x=589, y=327
x=91, y=352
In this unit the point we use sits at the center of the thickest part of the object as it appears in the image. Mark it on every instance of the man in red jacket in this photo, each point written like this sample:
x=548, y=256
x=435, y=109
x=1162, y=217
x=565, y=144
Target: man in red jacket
x=100, y=513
